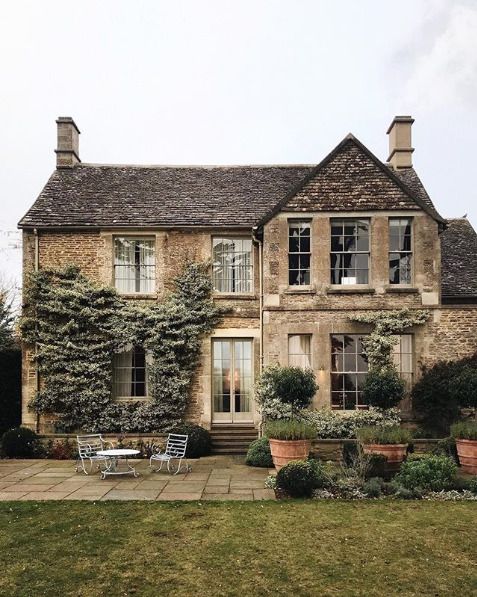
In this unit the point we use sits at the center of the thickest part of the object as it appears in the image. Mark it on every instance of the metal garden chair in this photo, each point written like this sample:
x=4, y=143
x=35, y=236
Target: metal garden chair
x=176, y=447
x=88, y=447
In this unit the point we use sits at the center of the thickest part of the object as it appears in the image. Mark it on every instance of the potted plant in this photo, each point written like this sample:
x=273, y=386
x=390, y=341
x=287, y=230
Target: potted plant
x=391, y=442
x=282, y=392
x=383, y=388
x=465, y=435
x=289, y=440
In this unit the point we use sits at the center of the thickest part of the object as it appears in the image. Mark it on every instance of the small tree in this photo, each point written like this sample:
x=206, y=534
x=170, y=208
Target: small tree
x=383, y=388
x=282, y=391
x=6, y=321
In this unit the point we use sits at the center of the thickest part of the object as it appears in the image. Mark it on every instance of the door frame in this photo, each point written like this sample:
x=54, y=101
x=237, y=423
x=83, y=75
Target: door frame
x=231, y=417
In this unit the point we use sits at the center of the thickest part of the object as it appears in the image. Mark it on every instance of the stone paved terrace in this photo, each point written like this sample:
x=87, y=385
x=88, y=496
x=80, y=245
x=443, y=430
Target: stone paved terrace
x=211, y=478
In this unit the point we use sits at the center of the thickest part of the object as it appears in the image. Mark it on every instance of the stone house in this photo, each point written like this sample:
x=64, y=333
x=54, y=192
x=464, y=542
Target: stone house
x=295, y=251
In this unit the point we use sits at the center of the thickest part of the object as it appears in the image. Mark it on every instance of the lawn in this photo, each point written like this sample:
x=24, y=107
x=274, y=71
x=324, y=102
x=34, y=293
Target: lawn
x=271, y=548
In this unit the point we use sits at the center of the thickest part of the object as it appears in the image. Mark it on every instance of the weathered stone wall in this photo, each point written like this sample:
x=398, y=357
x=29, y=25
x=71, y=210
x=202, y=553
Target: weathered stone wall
x=452, y=334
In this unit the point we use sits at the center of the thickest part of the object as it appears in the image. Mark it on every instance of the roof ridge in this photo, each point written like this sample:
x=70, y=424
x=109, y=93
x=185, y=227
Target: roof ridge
x=191, y=166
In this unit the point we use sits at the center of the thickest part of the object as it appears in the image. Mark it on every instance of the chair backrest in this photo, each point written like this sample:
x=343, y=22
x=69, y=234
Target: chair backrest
x=176, y=445
x=88, y=445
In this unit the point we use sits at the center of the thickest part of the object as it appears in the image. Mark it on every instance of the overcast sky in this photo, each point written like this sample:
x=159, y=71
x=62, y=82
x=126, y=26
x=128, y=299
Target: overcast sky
x=227, y=82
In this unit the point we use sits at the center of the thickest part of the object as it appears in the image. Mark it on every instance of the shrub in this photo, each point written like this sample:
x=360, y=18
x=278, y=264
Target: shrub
x=472, y=485
x=282, y=391
x=199, y=442
x=330, y=424
x=363, y=466
x=289, y=430
x=21, y=442
x=383, y=388
x=464, y=430
x=384, y=435
x=403, y=493
x=428, y=473
x=446, y=447
x=373, y=487
x=259, y=453
x=61, y=449
x=441, y=392
x=300, y=477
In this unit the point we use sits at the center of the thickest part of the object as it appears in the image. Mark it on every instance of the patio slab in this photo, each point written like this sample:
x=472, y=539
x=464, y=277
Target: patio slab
x=212, y=478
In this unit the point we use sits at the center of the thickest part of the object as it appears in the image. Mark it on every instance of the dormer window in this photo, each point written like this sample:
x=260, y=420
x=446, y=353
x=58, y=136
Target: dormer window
x=349, y=251
x=134, y=265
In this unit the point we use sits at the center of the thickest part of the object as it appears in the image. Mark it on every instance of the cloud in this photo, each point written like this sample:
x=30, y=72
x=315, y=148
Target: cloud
x=444, y=69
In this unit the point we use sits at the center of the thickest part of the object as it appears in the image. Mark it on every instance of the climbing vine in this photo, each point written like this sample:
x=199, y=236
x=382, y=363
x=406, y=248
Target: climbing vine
x=387, y=325
x=77, y=328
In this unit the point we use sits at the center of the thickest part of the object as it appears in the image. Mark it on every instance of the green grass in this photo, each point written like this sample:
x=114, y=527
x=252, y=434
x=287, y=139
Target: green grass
x=245, y=549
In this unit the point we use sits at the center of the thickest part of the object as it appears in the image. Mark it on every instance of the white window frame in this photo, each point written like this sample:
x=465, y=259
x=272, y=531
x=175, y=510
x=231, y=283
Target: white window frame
x=130, y=350
x=409, y=252
x=234, y=282
x=299, y=223
x=349, y=281
x=137, y=267
x=295, y=357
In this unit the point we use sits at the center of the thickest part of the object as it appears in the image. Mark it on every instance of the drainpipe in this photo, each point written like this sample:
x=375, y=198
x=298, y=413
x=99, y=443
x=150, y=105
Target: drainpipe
x=37, y=375
x=260, y=276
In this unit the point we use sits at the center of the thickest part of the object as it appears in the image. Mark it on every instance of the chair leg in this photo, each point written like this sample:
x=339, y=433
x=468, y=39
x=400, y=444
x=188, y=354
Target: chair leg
x=179, y=467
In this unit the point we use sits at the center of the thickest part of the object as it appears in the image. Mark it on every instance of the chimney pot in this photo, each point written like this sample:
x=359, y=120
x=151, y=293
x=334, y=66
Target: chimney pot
x=67, y=152
x=400, y=145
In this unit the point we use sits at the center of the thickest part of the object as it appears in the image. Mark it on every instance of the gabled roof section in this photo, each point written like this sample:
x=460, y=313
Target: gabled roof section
x=95, y=196
x=459, y=261
x=351, y=178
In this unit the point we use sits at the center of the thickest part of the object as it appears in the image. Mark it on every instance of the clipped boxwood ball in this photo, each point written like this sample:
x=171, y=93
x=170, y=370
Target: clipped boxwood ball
x=300, y=477
x=259, y=453
x=20, y=442
x=199, y=442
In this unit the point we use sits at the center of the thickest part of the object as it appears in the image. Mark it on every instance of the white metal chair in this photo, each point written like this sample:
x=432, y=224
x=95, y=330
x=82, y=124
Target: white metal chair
x=88, y=447
x=176, y=447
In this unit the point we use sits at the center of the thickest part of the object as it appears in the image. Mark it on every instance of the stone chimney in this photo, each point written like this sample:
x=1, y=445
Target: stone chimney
x=67, y=154
x=400, y=146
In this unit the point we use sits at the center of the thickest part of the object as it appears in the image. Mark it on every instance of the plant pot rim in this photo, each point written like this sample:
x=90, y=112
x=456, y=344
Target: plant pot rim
x=470, y=441
x=385, y=445
x=272, y=439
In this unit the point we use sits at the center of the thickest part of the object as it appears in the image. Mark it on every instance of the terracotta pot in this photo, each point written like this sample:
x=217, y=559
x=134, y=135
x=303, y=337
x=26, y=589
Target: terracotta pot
x=283, y=451
x=395, y=453
x=467, y=452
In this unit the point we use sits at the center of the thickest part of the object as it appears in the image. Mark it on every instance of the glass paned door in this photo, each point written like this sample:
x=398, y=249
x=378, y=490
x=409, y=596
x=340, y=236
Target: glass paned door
x=232, y=381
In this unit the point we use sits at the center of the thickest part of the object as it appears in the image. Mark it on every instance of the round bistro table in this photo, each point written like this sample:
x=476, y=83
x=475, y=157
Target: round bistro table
x=114, y=458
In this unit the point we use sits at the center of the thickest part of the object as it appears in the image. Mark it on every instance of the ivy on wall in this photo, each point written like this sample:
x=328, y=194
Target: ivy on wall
x=387, y=326
x=77, y=327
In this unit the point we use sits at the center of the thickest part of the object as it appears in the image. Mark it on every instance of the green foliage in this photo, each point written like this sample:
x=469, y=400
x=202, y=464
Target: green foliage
x=442, y=391
x=383, y=388
x=61, y=449
x=10, y=388
x=282, y=391
x=384, y=435
x=387, y=326
x=289, y=430
x=330, y=424
x=6, y=321
x=464, y=430
x=21, y=442
x=77, y=327
x=427, y=473
x=199, y=442
x=373, y=487
x=446, y=447
x=300, y=477
x=259, y=453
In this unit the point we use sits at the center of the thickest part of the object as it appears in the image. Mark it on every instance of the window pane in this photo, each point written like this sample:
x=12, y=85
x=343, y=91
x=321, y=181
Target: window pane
x=299, y=253
x=349, y=251
x=347, y=358
x=232, y=265
x=134, y=265
x=130, y=373
x=299, y=350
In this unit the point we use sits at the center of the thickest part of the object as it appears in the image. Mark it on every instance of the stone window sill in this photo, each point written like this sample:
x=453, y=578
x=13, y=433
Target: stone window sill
x=350, y=290
x=402, y=289
x=140, y=296
x=232, y=296
x=300, y=290
x=132, y=399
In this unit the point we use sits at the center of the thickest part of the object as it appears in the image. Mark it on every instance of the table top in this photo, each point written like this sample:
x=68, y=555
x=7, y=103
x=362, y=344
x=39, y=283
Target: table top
x=118, y=452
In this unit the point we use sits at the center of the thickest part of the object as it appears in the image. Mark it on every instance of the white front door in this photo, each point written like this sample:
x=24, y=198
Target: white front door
x=232, y=366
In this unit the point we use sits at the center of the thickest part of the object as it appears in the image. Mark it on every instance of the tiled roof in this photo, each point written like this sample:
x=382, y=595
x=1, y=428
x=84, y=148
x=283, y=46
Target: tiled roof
x=351, y=178
x=459, y=260
x=95, y=196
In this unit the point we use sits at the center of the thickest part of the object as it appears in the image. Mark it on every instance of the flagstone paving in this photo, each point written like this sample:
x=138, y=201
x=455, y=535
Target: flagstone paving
x=211, y=478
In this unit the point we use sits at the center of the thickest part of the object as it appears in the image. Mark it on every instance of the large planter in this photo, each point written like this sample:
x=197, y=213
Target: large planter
x=395, y=453
x=284, y=451
x=467, y=452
